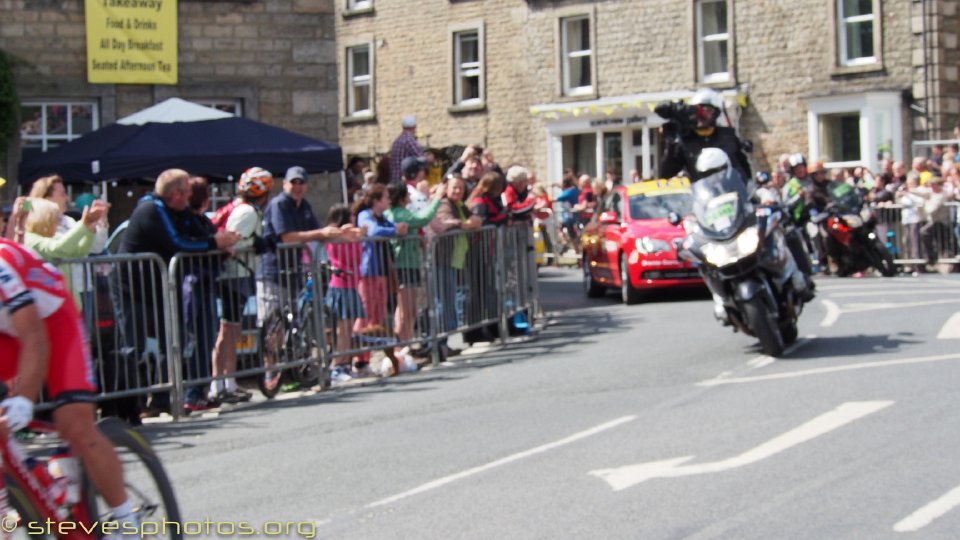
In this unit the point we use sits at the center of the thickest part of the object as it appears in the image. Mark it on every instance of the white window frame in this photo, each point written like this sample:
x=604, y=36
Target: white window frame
x=702, y=75
x=61, y=138
x=463, y=70
x=872, y=109
x=354, y=81
x=359, y=5
x=842, y=23
x=566, y=55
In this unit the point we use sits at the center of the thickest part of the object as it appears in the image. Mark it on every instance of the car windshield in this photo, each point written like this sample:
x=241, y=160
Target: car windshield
x=659, y=205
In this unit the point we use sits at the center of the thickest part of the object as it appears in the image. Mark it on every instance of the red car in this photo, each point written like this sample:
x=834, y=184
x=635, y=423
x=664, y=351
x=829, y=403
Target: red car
x=630, y=243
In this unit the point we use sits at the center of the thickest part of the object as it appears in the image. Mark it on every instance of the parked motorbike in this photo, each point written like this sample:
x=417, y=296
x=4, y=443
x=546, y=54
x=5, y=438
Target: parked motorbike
x=848, y=229
x=741, y=252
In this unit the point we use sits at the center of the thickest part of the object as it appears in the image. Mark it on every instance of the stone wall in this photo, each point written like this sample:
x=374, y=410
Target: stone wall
x=277, y=56
x=784, y=54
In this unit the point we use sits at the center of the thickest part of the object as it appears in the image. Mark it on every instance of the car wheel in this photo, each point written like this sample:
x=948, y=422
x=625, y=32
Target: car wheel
x=631, y=295
x=591, y=287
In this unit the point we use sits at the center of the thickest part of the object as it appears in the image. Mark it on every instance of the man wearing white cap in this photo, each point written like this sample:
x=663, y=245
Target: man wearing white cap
x=405, y=145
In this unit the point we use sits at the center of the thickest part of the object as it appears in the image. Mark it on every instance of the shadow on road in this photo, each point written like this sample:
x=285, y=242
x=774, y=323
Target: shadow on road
x=855, y=345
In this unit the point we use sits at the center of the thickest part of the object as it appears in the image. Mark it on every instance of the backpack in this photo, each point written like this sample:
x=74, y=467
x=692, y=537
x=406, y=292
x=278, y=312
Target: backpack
x=220, y=218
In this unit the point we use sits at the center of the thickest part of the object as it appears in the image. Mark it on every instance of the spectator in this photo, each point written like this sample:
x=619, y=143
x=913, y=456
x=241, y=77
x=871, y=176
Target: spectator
x=404, y=146
x=160, y=224
x=198, y=300
x=356, y=168
x=237, y=281
x=77, y=277
x=451, y=252
x=565, y=203
x=920, y=165
x=485, y=201
x=408, y=257
x=934, y=233
x=414, y=171
x=899, y=170
x=488, y=164
x=516, y=197
x=376, y=263
x=471, y=172
x=42, y=225
x=635, y=176
x=17, y=222
x=342, y=297
x=911, y=205
x=586, y=201
x=470, y=152
x=289, y=219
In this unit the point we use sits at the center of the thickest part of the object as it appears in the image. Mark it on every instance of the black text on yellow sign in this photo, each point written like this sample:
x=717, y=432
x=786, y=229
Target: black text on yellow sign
x=131, y=41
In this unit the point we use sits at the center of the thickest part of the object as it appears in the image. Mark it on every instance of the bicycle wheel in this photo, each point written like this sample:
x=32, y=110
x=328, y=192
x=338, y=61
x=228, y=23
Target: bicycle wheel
x=148, y=487
x=272, y=340
x=304, y=347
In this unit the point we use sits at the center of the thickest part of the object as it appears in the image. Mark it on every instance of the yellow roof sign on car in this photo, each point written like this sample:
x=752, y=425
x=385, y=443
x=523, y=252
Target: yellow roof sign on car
x=660, y=187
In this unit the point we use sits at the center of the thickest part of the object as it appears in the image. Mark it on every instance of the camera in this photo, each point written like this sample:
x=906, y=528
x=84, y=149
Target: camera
x=680, y=117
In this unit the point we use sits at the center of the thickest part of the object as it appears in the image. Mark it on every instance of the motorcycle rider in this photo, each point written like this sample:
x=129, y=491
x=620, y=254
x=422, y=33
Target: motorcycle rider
x=690, y=129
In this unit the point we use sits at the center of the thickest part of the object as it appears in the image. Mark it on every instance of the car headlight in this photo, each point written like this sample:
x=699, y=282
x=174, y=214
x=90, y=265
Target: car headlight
x=727, y=253
x=649, y=246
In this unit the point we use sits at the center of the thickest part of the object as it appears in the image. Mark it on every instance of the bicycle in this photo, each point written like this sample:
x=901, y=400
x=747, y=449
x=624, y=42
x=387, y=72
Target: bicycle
x=50, y=496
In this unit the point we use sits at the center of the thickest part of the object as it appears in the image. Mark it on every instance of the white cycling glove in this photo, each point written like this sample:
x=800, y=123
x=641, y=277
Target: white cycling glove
x=18, y=411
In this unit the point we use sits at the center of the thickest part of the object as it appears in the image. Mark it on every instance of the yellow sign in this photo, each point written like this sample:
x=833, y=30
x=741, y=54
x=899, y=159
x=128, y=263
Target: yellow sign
x=663, y=186
x=132, y=41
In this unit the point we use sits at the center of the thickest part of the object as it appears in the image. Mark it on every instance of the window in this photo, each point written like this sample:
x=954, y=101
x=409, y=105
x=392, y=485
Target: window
x=855, y=21
x=577, y=65
x=857, y=129
x=467, y=67
x=46, y=125
x=360, y=80
x=713, y=41
x=230, y=106
x=357, y=5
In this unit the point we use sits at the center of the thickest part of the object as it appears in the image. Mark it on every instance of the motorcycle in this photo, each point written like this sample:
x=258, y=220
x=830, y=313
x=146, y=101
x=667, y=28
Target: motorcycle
x=848, y=229
x=741, y=252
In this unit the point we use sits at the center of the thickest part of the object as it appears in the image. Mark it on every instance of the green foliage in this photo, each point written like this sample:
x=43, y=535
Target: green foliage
x=8, y=103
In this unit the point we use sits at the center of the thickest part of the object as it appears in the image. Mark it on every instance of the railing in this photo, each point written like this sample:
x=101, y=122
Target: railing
x=904, y=240
x=153, y=327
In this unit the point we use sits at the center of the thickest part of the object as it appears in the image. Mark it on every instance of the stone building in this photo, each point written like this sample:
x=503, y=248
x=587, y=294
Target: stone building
x=268, y=60
x=557, y=84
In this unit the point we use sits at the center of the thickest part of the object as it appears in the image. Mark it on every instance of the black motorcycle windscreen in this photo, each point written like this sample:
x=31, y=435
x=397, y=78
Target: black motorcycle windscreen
x=721, y=204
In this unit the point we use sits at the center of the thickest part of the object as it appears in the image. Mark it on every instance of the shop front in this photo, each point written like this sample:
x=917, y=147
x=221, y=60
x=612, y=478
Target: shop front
x=617, y=135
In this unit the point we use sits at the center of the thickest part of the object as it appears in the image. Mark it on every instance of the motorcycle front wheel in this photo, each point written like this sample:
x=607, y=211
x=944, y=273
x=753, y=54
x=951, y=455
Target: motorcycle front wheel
x=768, y=333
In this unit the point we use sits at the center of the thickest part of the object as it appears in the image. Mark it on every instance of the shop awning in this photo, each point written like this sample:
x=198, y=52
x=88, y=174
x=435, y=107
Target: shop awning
x=623, y=105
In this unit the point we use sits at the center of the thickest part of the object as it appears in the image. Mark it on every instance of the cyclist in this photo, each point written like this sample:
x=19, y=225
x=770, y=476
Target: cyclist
x=34, y=305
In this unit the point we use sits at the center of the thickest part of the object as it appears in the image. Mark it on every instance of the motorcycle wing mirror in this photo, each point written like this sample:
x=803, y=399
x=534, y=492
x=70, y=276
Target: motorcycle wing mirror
x=674, y=218
x=609, y=218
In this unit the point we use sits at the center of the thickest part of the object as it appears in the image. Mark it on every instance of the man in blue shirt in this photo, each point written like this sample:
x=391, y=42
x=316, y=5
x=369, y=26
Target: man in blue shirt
x=289, y=219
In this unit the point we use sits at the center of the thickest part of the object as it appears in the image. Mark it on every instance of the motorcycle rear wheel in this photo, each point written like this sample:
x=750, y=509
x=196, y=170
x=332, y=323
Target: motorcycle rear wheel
x=771, y=342
x=881, y=259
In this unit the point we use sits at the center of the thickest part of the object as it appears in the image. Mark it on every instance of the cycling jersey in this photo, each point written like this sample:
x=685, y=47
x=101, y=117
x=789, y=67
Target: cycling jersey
x=25, y=279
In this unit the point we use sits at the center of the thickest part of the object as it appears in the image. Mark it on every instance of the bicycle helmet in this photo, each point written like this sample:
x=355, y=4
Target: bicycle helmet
x=796, y=159
x=255, y=182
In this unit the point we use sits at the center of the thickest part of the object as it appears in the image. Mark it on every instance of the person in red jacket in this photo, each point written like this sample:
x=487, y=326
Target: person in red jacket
x=516, y=197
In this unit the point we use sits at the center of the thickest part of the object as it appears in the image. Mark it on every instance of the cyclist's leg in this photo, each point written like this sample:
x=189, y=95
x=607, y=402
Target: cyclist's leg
x=70, y=382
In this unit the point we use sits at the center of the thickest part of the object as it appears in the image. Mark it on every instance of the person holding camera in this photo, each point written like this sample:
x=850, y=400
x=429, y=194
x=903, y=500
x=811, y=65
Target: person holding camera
x=691, y=128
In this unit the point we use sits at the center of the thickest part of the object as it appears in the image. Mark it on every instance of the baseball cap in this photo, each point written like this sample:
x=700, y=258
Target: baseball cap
x=409, y=122
x=294, y=173
x=411, y=165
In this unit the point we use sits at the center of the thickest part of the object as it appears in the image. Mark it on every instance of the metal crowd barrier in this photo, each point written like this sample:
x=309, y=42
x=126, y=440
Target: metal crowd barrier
x=905, y=240
x=153, y=327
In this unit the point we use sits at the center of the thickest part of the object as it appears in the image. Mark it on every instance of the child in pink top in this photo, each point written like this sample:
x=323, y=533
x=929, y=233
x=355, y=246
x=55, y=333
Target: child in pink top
x=342, y=297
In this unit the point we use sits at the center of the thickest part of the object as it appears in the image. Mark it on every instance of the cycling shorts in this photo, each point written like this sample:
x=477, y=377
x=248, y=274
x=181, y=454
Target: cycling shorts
x=69, y=369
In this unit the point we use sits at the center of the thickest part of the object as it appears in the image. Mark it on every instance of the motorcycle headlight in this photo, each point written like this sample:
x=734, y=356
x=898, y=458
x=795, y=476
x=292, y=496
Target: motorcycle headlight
x=727, y=253
x=649, y=246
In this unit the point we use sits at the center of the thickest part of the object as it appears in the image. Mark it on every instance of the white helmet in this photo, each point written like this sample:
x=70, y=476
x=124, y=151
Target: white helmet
x=711, y=160
x=707, y=96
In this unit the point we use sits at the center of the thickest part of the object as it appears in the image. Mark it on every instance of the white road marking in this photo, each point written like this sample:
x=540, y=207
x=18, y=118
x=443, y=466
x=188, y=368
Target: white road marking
x=621, y=478
x=503, y=461
x=853, y=308
x=761, y=361
x=951, y=328
x=924, y=516
x=888, y=292
x=764, y=360
x=834, y=369
x=833, y=313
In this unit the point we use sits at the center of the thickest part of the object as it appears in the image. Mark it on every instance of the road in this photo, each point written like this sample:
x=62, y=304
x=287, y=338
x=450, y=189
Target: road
x=649, y=421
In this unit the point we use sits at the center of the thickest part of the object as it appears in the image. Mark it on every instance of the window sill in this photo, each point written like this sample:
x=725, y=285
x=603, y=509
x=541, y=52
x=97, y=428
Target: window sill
x=350, y=13
x=467, y=108
x=359, y=119
x=578, y=95
x=839, y=71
